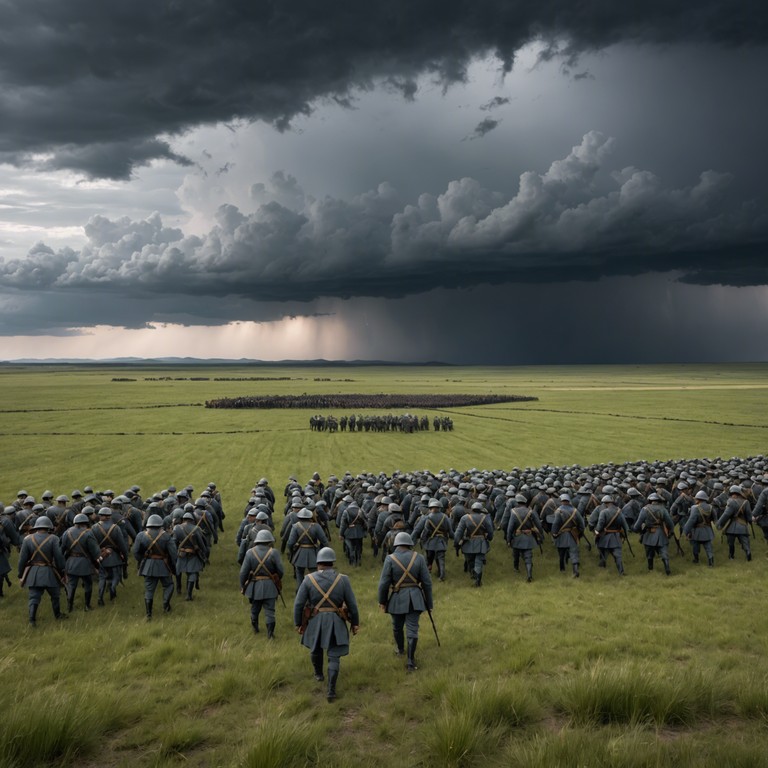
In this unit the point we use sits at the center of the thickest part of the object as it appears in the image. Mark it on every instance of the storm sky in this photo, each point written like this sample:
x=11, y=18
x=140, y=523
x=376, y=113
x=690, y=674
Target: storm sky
x=485, y=182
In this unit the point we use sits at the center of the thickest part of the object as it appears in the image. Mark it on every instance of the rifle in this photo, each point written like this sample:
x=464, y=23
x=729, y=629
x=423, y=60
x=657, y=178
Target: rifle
x=586, y=539
x=7, y=580
x=680, y=550
x=279, y=586
x=629, y=544
x=429, y=613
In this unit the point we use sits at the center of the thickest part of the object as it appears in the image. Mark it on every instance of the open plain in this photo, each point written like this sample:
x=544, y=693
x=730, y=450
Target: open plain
x=644, y=671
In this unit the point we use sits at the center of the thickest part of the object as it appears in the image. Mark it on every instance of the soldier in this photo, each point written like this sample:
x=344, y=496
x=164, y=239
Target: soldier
x=41, y=567
x=305, y=540
x=260, y=579
x=433, y=531
x=405, y=591
x=113, y=554
x=760, y=512
x=473, y=535
x=323, y=605
x=9, y=537
x=567, y=528
x=192, y=551
x=523, y=533
x=79, y=547
x=655, y=524
x=155, y=552
x=352, y=529
x=698, y=527
x=734, y=519
x=610, y=528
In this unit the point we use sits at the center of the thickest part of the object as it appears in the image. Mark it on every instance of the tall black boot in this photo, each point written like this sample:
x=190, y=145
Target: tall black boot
x=411, y=666
x=562, y=560
x=731, y=551
x=332, y=678
x=666, y=567
x=529, y=572
x=32, y=615
x=102, y=587
x=178, y=583
x=650, y=563
x=88, y=600
x=2, y=584
x=575, y=570
x=70, y=602
x=148, y=608
x=399, y=641
x=317, y=664
x=255, y=622
x=711, y=562
x=516, y=560
x=270, y=630
x=167, y=605
x=57, y=609
x=190, y=587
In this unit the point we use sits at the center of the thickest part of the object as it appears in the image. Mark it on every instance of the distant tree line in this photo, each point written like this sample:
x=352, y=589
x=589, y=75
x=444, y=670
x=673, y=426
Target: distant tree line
x=355, y=401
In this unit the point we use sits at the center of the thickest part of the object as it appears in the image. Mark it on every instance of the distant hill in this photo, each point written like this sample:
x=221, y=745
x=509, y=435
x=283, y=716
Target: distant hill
x=190, y=361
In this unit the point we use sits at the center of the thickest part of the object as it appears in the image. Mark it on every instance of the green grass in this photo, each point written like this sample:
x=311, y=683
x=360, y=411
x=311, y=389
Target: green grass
x=643, y=671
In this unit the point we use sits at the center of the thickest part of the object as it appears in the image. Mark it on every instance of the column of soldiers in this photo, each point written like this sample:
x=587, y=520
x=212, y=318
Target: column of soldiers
x=88, y=539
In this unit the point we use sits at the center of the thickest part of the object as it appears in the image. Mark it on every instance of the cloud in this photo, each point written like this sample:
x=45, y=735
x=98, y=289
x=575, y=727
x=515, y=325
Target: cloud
x=98, y=89
x=495, y=103
x=578, y=220
x=485, y=126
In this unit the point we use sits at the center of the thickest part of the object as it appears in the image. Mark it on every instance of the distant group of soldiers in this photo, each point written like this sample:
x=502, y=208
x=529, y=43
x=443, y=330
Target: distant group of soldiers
x=406, y=422
x=64, y=541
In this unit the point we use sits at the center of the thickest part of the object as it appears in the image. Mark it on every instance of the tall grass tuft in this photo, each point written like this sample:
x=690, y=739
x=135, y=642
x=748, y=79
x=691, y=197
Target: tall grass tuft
x=49, y=726
x=507, y=702
x=637, y=695
x=282, y=744
x=455, y=739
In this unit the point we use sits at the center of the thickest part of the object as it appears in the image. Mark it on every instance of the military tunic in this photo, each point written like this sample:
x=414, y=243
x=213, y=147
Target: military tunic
x=655, y=524
x=113, y=556
x=78, y=544
x=155, y=551
x=434, y=530
x=567, y=528
x=473, y=535
x=41, y=569
x=698, y=529
x=260, y=574
x=609, y=529
x=305, y=540
x=523, y=533
x=735, y=519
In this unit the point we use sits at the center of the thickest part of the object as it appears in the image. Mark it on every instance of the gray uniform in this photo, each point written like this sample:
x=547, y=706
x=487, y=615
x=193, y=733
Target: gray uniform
x=698, y=529
x=41, y=569
x=611, y=527
x=327, y=595
x=434, y=530
x=260, y=576
x=114, y=555
x=473, y=535
x=405, y=588
x=305, y=540
x=155, y=551
x=78, y=544
x=655, y=523
x=735, y=519
x=352, y=529
x=524, y=532
x=567, y=528
x=192, y=549
x=9, y=537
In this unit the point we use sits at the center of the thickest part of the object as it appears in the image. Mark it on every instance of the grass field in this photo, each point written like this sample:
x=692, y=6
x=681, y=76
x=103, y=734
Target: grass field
x=646, y=671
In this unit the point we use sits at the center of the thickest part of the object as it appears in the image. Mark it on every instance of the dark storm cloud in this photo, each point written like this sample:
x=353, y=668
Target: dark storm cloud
x=484, y=127
x=96, y=86
x=494, y=103
x=578, y=220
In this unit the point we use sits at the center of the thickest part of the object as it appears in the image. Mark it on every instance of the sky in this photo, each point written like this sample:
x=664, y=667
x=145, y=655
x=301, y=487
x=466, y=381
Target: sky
x=486, y=182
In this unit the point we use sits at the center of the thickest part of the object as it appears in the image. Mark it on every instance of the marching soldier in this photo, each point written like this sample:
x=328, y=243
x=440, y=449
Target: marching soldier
x=567, y=529
x=352, y=528
x=41, y=567
x=260, y=579
x=9, y=537
x=735, y=518
x=655, y=524
x=79, y=547
x=192, y=551
x=323, y=605
x=523, y=533
x=405, y=591
x=609, y=530
x=113, y=556
x=473, y=535
x=305, y=540
x=433, y=531
x=698, y=527
x=155, y=551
